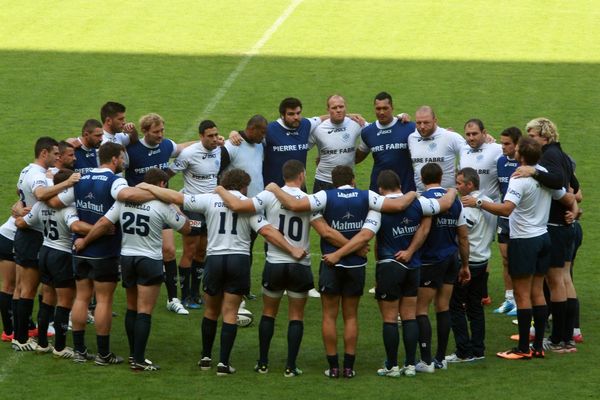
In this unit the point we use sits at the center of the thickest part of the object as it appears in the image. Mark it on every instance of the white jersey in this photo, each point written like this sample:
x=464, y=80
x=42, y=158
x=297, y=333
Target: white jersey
x=481, y=230
x=228, y=232
x=293, y=226
x=200, y=168
x=118, y=138
x=441, y=147
x=484, y=160
x=57, y=225
x=8, y=229
x=318, y=201
x=336, y=144
x=32, y=177
x=142, y=225
x=248, y=157
x=532, y=200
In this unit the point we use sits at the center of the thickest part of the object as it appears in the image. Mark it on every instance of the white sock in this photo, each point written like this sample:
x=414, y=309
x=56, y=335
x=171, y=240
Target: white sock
x=508, y=295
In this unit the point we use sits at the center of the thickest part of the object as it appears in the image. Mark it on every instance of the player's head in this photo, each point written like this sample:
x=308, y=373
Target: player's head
x=388, y=182
x=384, y=108
x=475, y=133
x=342, y=175
x=153, y=128
x=509, y=139
x=46, y=151
x=290, y=110
x=62, y=175
x=431, y=173
x=336, y=107
x=209, y=134
x=66, y=155
x=256, y=128
x=293, y=170
x=91, y=133
x=156, y=177
x=425, y=120
x=529, y=151
x=112, y=115
x=467, y=181
x=236, y=179
x=542, y=130
x=112, y=155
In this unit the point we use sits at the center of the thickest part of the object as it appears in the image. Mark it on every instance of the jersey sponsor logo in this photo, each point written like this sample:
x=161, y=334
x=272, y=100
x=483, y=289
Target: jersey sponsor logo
x=483, y=171
x=291, y=133
x=428, y=159
x=340, y=151
x=473, y=151
x=347, y=195
x=444, y=221
x=152, y=152
x=383, y=132
x=89, y=206
x=290, y=147
x=432, y=146
x=346, y=225
x=479, y=157
x=348, y=215
x=89, y=196
x=503, y=179
x=143, y=170
x=389, y=146
x=515, y=193
x=204, y=177
x=260, y=201
x=99, y=177
x=208, y=155
x=371, y=221
x=404, y=230
x=335, y=130
x=317, y=201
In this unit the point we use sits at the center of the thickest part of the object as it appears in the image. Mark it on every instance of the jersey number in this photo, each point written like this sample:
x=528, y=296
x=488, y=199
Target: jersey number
x=294, y=230
x=50, y=230
x=223, y=219
x=136, y=224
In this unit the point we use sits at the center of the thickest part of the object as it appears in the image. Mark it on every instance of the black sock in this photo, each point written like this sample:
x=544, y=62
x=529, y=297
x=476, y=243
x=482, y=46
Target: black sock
x=61, y=326
x=130, y=317
x=576, y=313
x=266, y=327
x=143, y=323
x=443, y=333
x=424, y=338
x=294, y=338
x=349, y=360
x=524, y=318
x=184, y=280
x=410, y=337
x=485, y=293
x=14, y=306
x=196, y=278
x=24, y=310
x=228, y=334
x=540, y=313
x=559, y=311
x=571, y=311
x=43, y=322
x=391, y=340
x=103, y=343
x=171, y=279
x=333, y=361
x=5, y=310
x=79, y=341
x=209, y=332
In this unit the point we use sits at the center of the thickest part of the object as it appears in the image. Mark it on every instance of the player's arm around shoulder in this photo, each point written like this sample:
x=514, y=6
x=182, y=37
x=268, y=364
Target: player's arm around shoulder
x=234, y=203
x=290, y=202
x=275, y=237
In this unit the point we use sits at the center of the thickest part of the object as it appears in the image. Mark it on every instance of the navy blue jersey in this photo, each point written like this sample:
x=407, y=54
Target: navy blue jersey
x=345, y=212
x=389, y=147
x=282, y=144
x=396, y=233
x=87, y=160
x=441, y=241
x=506, y=167
x=142, y=158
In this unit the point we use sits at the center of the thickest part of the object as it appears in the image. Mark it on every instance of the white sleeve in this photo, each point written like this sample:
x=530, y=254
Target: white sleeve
x=262, y=200
x=314, y=122
x=70, y=215
x=180, y=163
x=514, y=191
x=38, y=180
x=318, y=201
x=257, y=222
x=231, y=150
x=372, y=221
x=125, y=139
x=462, y=218
x=113, y=214
x=312, y=139
x=33, y=216
x=429, y=206
x=362, y=146
x=196, y=202
x=375, y=201
x=172, y=217
x=174, y=153
x=558, y=194
x=118, y=185
x=316, y=215
x=67, y=196
x=457, y=142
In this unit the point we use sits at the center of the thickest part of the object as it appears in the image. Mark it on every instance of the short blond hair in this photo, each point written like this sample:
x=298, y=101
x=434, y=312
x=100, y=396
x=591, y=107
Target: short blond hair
x=148, y=120
x=543, y=127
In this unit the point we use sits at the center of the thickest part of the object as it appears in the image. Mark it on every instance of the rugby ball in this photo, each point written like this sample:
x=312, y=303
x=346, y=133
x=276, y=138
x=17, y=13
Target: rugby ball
x=244, y=318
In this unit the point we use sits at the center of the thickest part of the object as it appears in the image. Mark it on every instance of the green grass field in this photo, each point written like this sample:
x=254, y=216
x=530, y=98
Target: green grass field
x=505, y=62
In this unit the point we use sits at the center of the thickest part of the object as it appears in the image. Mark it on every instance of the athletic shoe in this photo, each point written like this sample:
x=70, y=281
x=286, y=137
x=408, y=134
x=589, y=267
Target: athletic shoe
x=409, y=370
x=82, y=357
x=191, y=304
x=7, y=338
x=372, y=290
x=250, y=296
x=176, y=307
x=537, y=353
x=51, y=332
x=144, y=366
x=30, y=345
x=440, y=364
x=515, y=354
x=422, y=367
x=44, y=350
x=393, y=372
x=243, y=304
x=131, y=360
x=481, y=357
x=261, y=368
x=505, y=307
x=205, y=363
x=570, y=347
x=486, y=301
x=109, y=359
x=512, y=313
x=453, y=358
x=224, y=370
x=554, y=347
x=314, y=293
x=66, y=353
x=32, y=332
x=292, y=372
x=515, y=322
x=349, y=373
x=576, y=338
x=332, y=373
x=90, y=317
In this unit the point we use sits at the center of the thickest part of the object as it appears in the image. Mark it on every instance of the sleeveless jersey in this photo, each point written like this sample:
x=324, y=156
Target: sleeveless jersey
x=87, y=160
x=142, y=157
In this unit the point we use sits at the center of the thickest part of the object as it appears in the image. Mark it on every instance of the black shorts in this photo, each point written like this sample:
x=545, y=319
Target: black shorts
x=96, y=269
x=529, y=256
x=7, y=251
x=56, y=268
x=197, y=223
x=339, y=281
x=578, y=240
x=435, y=275
x=287, y=276
x=395, y=281
x=503, y=230
x=562, y=238
x=27, y=247
x=141, y=271
x=227, y=273
x=322, y=185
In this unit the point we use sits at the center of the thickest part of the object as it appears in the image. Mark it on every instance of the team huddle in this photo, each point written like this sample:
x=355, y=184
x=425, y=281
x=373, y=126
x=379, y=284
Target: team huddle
x=96, y=209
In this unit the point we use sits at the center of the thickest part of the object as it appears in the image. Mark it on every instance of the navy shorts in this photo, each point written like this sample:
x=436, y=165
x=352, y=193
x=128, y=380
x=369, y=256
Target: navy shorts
x=529, y=256
x=395, y=281
x=56, y=268
x=197, y=223
x=287, y=276
x=27, y=247
x=7, y=251
x=96, y=269
x=503, y=230
x=339, y=281
x=142, y=271
x=578, y=239
x=435, y=275
x=562, y=238
x=227, y=273
x=322, y=185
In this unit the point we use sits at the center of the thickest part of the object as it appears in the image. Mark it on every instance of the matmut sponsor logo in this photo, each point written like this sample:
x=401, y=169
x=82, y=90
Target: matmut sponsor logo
x=404, y=230
x=344, y=226
x=89, y=206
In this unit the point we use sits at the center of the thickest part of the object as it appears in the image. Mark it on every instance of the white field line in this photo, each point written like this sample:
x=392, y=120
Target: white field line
x=212, y=104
